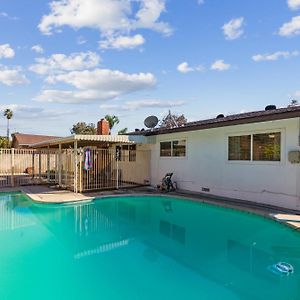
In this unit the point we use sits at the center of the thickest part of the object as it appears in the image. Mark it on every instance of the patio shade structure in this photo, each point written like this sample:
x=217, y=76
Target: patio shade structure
x=108, y=171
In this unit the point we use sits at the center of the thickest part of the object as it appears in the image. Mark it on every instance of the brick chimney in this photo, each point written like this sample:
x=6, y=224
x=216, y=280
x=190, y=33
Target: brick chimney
x=103, y=127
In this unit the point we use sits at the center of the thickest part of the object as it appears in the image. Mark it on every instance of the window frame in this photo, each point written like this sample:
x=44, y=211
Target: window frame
x=250, y=147
x=252, y=133
x=171, y=141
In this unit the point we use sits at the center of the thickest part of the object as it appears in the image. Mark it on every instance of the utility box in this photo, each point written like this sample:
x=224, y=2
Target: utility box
x=294, y=157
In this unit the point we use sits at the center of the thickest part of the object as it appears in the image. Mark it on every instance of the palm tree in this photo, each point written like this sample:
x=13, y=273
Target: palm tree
x=123, y=131
x=112, y=120
x=8, y=113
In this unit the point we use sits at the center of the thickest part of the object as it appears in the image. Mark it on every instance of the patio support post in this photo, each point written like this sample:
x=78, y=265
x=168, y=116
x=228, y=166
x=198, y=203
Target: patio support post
x=40, y=166
x=12, y=167
x=117, y=173
x=48, y=165
x=59, y=166
x=33, y=171
x=75, y=168
x=80, y=170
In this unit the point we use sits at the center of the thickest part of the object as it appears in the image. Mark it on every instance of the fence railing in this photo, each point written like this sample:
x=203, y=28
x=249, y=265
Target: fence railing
x=21, y=167
x=109, y=169
x=112, y=170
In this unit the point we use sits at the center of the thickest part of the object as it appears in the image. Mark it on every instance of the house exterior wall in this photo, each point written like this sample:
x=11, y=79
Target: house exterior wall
x=206, y=165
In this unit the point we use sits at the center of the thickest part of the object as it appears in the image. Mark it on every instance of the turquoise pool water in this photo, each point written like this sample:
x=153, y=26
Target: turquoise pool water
x=142, y=248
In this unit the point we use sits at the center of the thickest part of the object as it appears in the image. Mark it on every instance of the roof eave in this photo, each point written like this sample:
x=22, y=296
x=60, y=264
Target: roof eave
x=226, y=123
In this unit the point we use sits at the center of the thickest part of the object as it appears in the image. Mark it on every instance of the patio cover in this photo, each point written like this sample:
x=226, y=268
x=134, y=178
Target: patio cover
x=83, y=140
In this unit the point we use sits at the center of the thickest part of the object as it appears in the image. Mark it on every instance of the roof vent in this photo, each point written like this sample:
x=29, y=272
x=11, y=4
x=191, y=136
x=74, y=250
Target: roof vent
x=220, y=116
x=270, y=107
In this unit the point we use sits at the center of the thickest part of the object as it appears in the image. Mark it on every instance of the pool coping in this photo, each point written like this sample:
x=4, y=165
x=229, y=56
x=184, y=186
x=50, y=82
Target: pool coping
x=45, y=195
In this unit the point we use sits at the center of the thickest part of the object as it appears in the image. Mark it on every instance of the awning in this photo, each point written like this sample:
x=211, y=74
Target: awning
x=84, y=140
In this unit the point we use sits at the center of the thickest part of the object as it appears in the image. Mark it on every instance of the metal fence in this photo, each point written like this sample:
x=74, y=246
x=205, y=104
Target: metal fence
x=21, y=167
x=26, y=167
x=112, y=170
x=109, y=169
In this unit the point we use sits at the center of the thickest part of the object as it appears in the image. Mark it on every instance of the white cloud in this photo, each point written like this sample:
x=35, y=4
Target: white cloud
x=294, y=4
x=274, y=56
x=6, y=15
x=185, y=68
x=200, y=2
x=66, y=96
x=148, y=103
x=3, y=14
x=122, y=42
x=37, y=48
x=110, y=17
x=57, y=63
x=22, y=111
x=149, y=14
x=12, y=76
x=6, y=51
x=105, y=79
x=95, y=85
x=233, y=29
x=290, y=28
x=220, y=65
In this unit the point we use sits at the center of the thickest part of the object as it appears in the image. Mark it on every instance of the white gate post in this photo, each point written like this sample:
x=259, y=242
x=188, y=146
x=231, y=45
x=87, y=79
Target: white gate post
x=75, y=168
x=80, y=170
x=33, y=170
x=48, y=165
x=59, y=166
x=117, y=173
x=12, y=167
x=40, y=166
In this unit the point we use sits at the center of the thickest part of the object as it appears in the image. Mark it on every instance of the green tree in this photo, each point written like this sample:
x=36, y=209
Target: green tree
x=112, y=120
x=4, y=142
x=172, y=120
x=83, y=128
x=293, y=103
x=8, y=113
x=123, y=131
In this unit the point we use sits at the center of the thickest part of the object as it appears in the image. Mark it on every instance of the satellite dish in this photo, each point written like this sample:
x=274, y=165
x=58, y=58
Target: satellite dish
x=151, y=121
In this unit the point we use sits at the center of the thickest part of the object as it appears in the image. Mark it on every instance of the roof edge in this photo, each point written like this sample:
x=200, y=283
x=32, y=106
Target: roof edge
x=239, y=119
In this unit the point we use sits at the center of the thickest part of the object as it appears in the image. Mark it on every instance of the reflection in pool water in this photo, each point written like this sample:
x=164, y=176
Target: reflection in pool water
x=142, y=248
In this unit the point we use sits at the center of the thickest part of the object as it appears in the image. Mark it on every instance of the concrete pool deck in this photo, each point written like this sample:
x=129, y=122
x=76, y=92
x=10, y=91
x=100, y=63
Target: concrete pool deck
x=45, y=194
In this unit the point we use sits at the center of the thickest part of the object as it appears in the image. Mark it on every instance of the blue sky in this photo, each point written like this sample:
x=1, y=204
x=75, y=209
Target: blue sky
x=77, y=60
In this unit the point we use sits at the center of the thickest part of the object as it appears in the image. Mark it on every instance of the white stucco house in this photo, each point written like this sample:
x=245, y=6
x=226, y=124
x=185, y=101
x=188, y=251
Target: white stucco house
x=250, y=156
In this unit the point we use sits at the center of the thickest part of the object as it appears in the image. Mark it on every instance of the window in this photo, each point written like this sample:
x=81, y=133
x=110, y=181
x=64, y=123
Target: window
x=265, y=147
x=127, y=152
x=239, y=147
x=165, y=149
x=174, y=148
x=132, y=152
x=179, y=148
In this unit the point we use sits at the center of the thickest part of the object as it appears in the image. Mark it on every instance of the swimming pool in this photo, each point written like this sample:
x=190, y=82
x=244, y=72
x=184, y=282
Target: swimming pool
x=142, y=248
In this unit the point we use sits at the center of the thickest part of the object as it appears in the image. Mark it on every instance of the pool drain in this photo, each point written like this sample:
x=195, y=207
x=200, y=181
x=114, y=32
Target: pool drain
x=282, y=268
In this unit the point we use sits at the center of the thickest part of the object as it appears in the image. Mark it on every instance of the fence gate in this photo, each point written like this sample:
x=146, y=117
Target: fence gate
x=111, y=169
